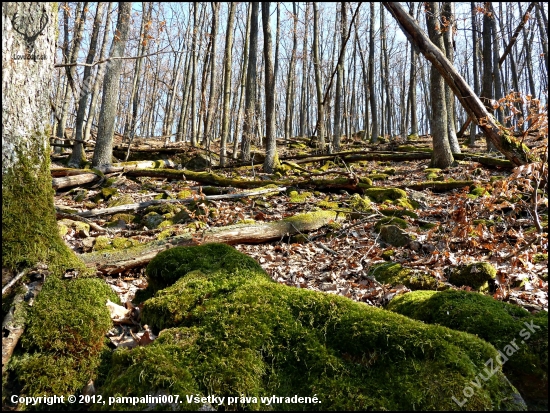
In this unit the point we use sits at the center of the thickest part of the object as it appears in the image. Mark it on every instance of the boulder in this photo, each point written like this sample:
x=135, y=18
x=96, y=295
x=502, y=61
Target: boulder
x=228, y=330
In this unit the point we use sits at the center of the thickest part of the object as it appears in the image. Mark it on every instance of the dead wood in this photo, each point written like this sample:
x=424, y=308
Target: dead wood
x=438, y=186
x=123, y=260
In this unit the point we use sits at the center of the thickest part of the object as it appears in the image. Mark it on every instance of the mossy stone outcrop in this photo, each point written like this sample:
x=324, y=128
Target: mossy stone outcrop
x=401, y=223
x=229, y=330
x=522, y=337
x=476, y=275
x=394, y=196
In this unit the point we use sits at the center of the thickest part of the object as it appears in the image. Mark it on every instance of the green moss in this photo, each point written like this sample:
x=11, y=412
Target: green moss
x=432, y=174
x=401, y=223
x=186, y=193
x=167, y=233
x=427, y=225
x=380, y=195
x=120, y=200
x=64, y=337
x=412, y=137
x=389, y=171
x=228, y=329
x=165, y=224
x=387, y=254
x=476, y=275
x=359, y=203
x=62, y=228
x=484, y=222
x=127, y=218
x=412, y=148
x=540, y=258
x=378, y=177
x=121, y=243
x=394, y=274
x=152, y=220
x=477, y=191
x=398, y=213
x=246, y=221
x=102, y=243
x=495, y=178
x=298, y=198
x=496, y=322
x=327, y=204
x=29, y=228
x=107, y=193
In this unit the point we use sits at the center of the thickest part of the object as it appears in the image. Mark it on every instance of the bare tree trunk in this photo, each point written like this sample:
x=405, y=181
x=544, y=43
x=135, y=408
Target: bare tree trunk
x=374, y=111
x=103, y=151
x=448, y=10
x=303, y=108
x=318, y=80
x=250, y=95
x=290, y=93
x=207, y=138
x=227, y=82
x=442, y=156
x=80, y=18
x=77, y=155
x=271, y=160
x=243, y=82
x=475, y=56
x=339, y=79
x=412, y=84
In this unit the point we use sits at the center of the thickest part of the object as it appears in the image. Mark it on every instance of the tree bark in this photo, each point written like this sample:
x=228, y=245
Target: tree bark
x=318, y=80
x=373, y=109
x=513, y=150
x=271, y=160
x=442, y=155
x=103, y=152
x=77, y=155
x=227, y=83
x=250, y=93
x=448, y=11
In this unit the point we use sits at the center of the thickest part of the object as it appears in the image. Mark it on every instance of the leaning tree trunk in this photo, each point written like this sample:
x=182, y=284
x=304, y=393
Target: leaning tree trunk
x=29, y=229
x=103, y=151
x=511, y=148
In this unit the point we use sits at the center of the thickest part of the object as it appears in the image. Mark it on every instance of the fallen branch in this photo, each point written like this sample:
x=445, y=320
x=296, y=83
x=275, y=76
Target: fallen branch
x=63, y=215
x=123, y=260
x=13, y=325
x=141, y=205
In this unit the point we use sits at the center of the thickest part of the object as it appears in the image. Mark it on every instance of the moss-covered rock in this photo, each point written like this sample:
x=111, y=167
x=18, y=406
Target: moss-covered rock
x=394, y=274
x=522, y=338
x=102, y=243
x=359, y=203
x=230, y=330
x=395, y=196
x=152, y=220
x=299, y=198
x=121, y=242
x=387, y=254
x=64, y=337
x=540, y=258
x=401, y=223
x=398, y=213
x=476, y=275
x=433, y=174
x=120, y=200
x=378, y=177
x=476, y=191
x=395, y=236
x=108, y=192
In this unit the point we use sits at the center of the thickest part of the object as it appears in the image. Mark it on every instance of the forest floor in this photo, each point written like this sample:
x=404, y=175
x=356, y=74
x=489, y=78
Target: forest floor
x=492, y=220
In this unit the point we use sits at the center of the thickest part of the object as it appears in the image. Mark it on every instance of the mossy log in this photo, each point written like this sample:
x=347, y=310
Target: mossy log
x=438, y=186
x=369, y=156
x=349, y=184
x=141, y=205
x=121, y=260
x=484, y=160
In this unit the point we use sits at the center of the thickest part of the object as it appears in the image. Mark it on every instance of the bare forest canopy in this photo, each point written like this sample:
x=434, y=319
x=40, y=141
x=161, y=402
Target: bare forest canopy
x=199, y=73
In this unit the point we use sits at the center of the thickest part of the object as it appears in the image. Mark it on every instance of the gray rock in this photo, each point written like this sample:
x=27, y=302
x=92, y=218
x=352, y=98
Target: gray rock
x=393, y=235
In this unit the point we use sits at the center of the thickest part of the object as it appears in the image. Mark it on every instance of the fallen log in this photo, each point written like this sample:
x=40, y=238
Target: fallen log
x=75, y=180
x=484, y=160
x=123, y=260
x=437, y=186
x=141, y=205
